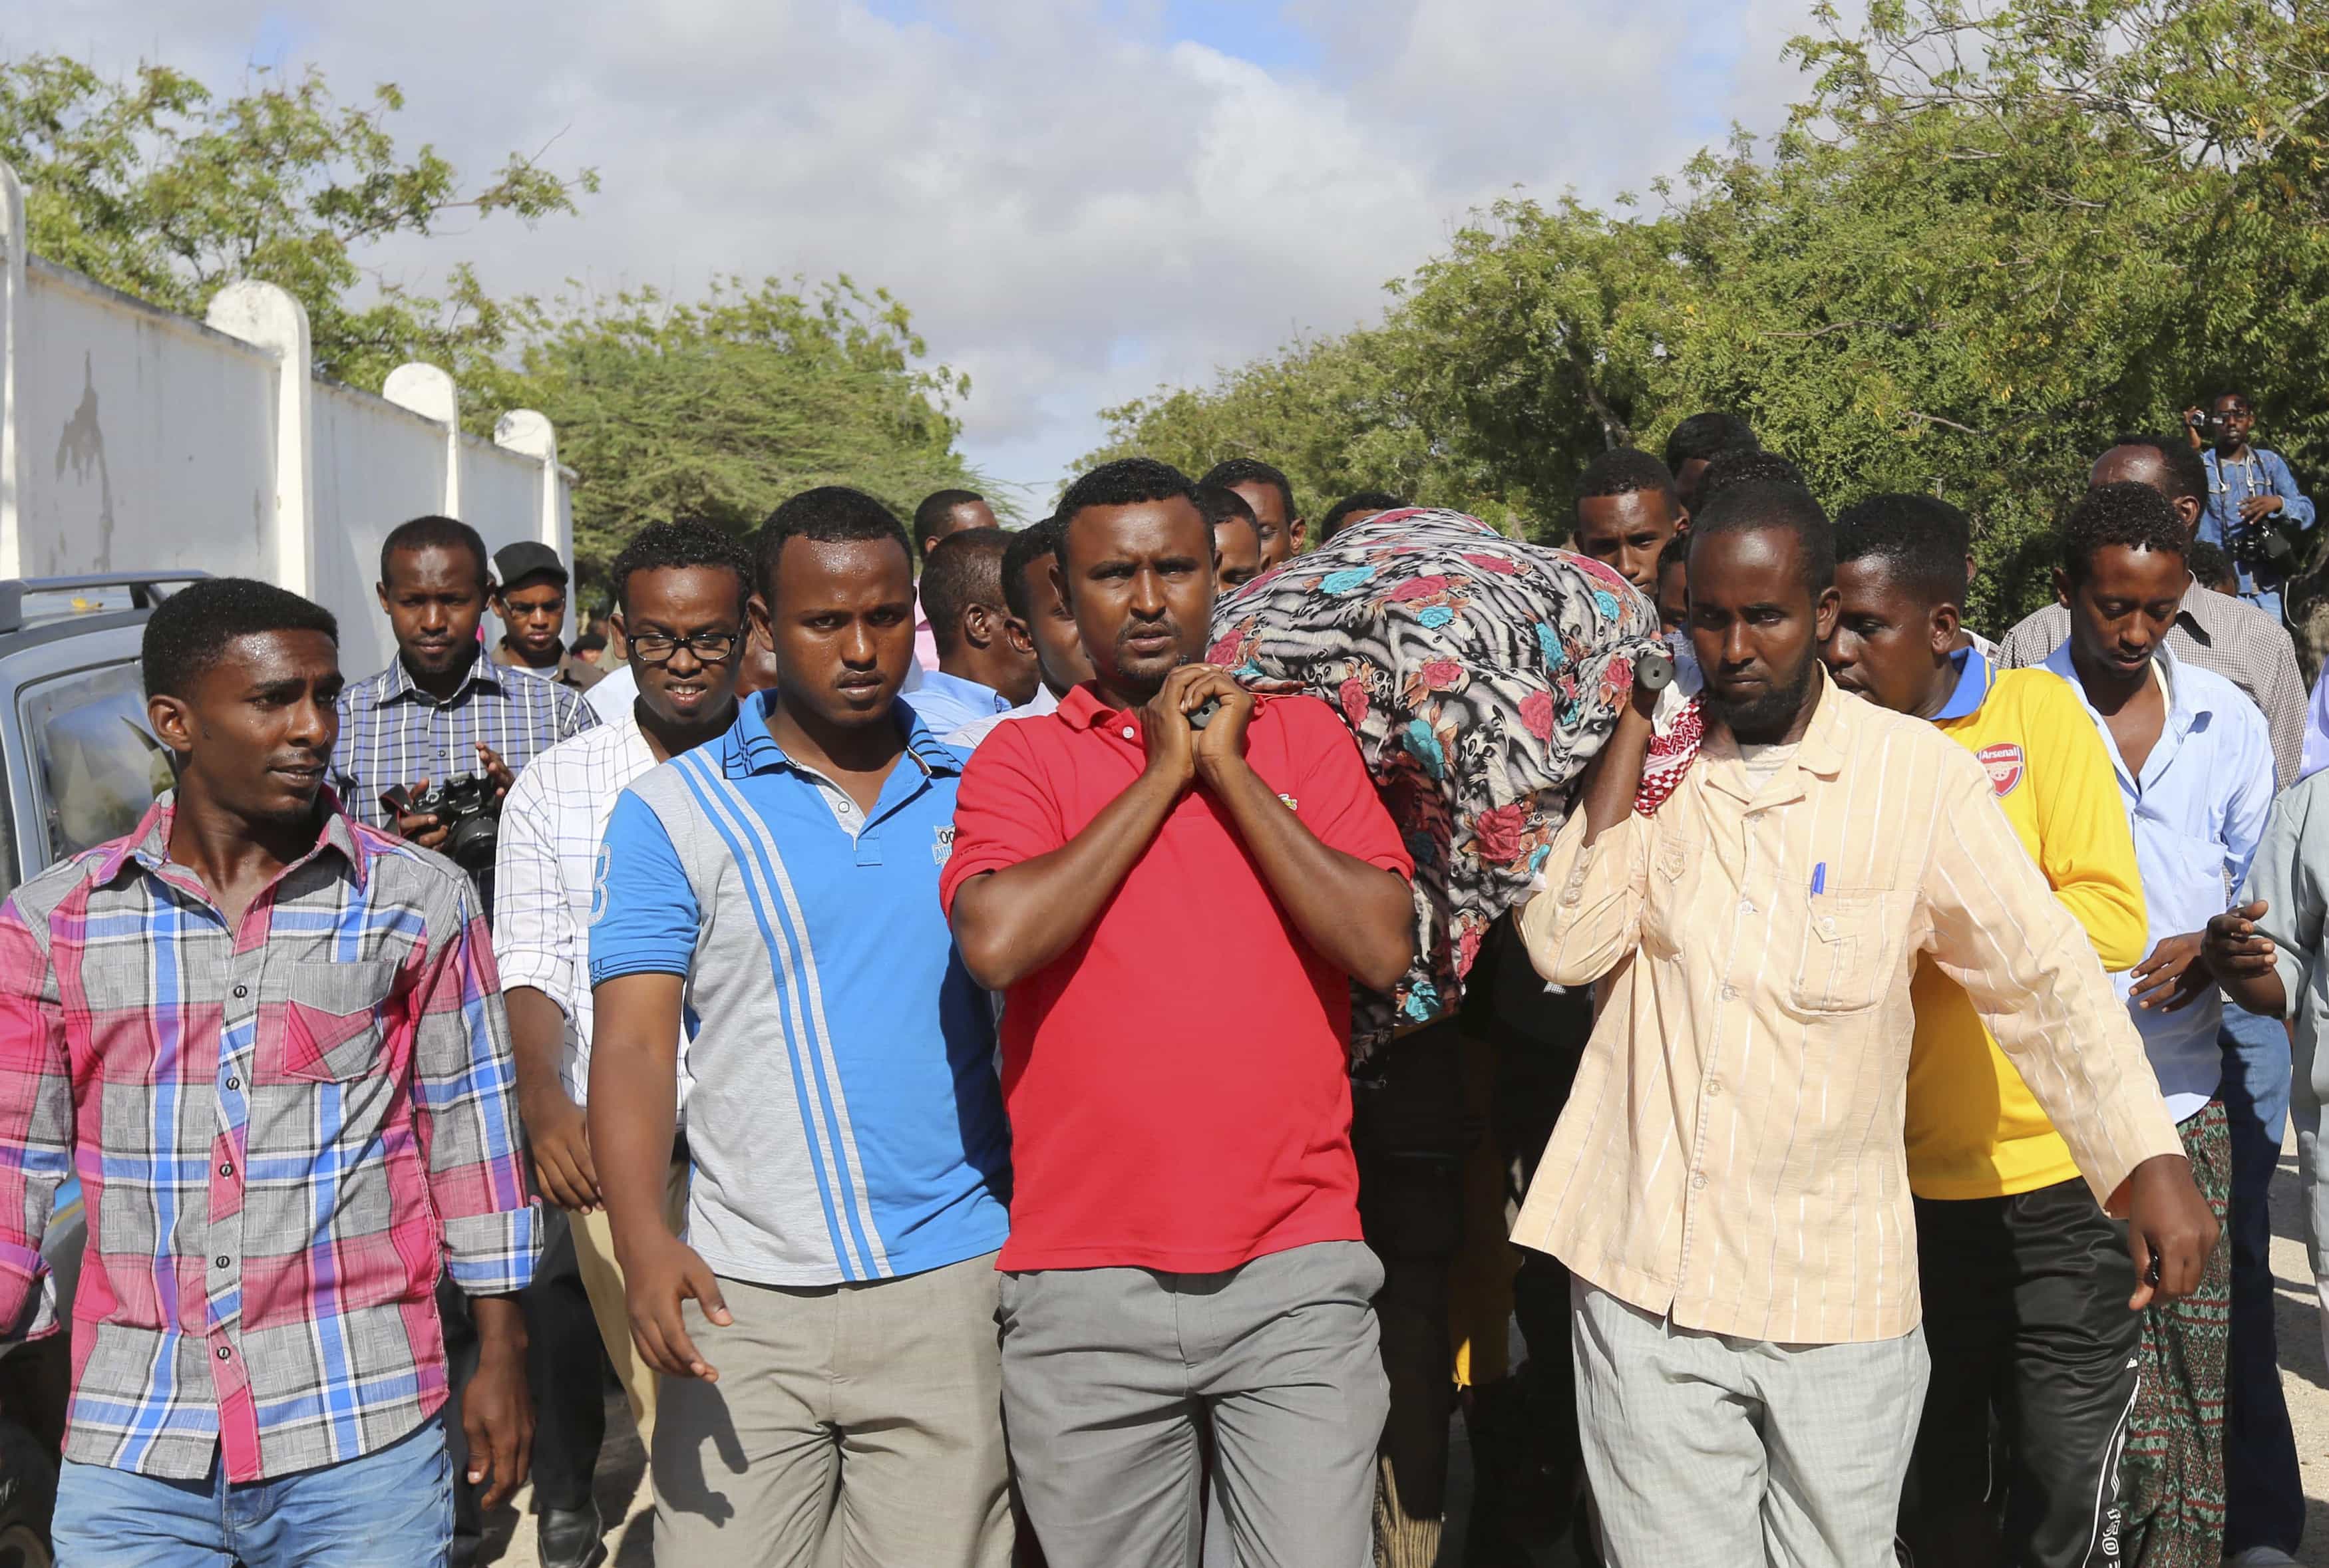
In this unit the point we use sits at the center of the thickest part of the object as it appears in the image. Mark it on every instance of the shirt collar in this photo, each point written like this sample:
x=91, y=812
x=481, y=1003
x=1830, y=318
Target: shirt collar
x=149, y=843
x=1082, y=707
x=749, y=749
x=1821, y=751
x=399, y=684
x=1971, y=689
x=973, y=694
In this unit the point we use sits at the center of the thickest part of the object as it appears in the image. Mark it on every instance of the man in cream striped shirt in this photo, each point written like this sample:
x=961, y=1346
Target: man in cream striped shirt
x=1728, y=1182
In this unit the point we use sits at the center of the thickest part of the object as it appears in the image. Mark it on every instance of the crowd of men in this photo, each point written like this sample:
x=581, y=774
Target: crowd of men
x=885, y=1006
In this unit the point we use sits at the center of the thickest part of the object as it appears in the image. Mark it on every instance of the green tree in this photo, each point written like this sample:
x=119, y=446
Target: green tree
x=719, y=408
x=163, y=189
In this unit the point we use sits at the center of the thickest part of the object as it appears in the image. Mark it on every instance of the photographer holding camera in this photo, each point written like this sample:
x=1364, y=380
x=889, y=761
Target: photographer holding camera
x=2254, y=507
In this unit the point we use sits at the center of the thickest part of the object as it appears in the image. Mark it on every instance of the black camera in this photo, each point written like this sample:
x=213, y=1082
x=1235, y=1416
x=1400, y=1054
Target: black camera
x=2261, y=545
x=470, y=807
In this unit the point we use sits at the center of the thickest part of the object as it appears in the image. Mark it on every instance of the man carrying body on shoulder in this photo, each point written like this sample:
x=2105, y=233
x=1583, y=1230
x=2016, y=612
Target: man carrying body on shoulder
x=1728, y=1182
x=2026, y=1281
x=2229, y=636
x=1237, y=534
x=1270, y=494
x=1030, y=588
x=826, y=1329
x=269, y=1041
x=2194, y=770
x=680, y=591
x=982, y=667
x=2251, y=495
x=441, y=710
x=530, y=597
x=1174, y=1246
x=1627, y=513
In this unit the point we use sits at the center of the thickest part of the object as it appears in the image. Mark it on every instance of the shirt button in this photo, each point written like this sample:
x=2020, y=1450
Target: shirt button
x=240, y=992
x=1729, y=993
x=234, y=1083
x=224, y=1260
x=226, y=1170
x=1713, y=1088
x=1745, y=907
x=225, y=1354
x=1827, y=925
x=1697, y=1180
x=1128, y=732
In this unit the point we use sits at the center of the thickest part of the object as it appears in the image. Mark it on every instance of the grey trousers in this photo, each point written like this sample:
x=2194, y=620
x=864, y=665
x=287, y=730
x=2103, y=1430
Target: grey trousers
x=1707, y=1451
x=1104, y=1372
x=858, y=1425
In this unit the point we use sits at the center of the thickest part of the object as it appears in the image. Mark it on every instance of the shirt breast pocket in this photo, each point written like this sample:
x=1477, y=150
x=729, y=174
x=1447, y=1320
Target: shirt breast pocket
x=1672, y=860
x=327, y=1029
x=1847, y=952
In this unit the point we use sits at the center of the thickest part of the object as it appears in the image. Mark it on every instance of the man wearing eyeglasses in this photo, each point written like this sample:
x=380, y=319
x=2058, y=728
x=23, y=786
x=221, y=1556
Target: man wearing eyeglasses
x=2252, y=499
x=681, y=590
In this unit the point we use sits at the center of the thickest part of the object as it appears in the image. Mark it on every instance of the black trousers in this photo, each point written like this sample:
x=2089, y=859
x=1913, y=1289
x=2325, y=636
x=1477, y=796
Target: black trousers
x=565, y=1371
x=2033, y=1379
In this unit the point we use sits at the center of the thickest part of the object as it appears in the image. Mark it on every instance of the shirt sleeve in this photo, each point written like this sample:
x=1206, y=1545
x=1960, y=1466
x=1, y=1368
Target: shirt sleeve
x=2248, y=782
x=2290, y=881
x=2020, y=648
x=534, y=940
x=2317, y=730
x=573, y=712
x=2025, y=963
x=36, y=1116
x=1589, y=915
x=465, y=1100
x=2281, y=694
x=2085, y=846
x=1005, y=813
x=1339, y=802
x=644, y=914
x=2295, y=505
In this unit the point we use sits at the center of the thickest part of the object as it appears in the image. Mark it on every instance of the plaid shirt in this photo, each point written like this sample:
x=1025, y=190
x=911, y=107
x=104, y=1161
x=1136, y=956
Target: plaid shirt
x=284, y=1132
x=393, y=733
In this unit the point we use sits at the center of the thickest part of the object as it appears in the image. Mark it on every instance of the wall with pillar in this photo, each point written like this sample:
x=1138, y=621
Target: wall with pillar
x=134, y=439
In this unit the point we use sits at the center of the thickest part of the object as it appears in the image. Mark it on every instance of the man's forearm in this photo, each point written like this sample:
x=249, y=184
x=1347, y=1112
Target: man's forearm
x=1360, y=917
x=538, y=1041
x=1013, y=922
x=1613, y=778
x=2261, y=994
x=501, y=1327
x=634, y=1113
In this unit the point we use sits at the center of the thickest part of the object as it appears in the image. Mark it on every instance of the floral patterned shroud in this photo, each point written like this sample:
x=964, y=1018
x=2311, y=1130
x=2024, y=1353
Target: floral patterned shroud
x=1479, y=675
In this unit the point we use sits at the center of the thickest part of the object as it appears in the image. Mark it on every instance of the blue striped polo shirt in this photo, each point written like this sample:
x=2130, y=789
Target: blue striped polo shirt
x=845, y=1124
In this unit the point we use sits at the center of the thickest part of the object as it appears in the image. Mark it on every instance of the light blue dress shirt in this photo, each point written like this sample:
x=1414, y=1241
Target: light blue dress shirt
x=946, y=702
x=2197, y=809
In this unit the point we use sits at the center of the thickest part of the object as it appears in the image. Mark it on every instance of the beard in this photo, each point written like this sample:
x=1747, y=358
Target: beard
x=1761, y=721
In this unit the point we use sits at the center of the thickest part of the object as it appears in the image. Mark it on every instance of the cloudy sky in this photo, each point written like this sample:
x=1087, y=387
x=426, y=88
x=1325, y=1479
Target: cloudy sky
x=1078, y=199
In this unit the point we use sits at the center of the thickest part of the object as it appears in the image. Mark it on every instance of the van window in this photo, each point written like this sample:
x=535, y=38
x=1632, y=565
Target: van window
x=98, y=767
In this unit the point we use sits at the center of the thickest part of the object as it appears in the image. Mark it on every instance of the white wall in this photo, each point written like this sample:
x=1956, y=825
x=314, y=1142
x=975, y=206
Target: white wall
x=133, y=439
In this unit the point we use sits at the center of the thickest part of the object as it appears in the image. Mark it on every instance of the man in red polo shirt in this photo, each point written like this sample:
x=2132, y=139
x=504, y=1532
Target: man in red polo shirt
x=1176, y=912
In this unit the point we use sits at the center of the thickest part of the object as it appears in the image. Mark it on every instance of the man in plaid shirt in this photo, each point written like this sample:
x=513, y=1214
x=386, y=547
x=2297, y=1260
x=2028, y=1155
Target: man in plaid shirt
x=269, y=1041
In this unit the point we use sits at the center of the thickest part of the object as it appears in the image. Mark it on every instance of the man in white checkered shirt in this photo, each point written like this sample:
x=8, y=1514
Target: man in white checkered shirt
x=681, y=590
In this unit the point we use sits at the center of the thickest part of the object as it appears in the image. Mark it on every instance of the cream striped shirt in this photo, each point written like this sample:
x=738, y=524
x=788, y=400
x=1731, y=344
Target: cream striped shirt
x=1732, y=1152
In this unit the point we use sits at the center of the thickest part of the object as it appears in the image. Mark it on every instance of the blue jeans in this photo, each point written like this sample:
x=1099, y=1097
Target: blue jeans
x=2264, y=1491
x=392, y=1508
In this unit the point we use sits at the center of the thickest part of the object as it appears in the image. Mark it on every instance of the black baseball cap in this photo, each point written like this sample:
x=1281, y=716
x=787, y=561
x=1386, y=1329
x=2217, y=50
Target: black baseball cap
x=527, y=559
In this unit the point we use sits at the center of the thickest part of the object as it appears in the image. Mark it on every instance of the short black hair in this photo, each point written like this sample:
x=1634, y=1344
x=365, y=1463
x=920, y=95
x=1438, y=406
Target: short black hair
x=2208, y=565
x=964, y=568
x=1221, y=504
x=2246, y=402
x=190, y=630
x=1368, y=501
x=433, y=532
x=1028, y=546
x=1677, y=553
x=1707, y=435
x=1763, y=503
x=2129, y=515
x=1126, y=482
x=936, y=508
x=1624, y=471
x=828, y=514
x=1748, y=466
x=2186, y=469
x=1921, y=540
x=1239, y=471
x=591, y=642
x=673, y=546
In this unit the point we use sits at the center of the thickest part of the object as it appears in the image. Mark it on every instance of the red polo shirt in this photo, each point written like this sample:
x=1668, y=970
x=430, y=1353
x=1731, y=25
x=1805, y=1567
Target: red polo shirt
x=1178, y=1080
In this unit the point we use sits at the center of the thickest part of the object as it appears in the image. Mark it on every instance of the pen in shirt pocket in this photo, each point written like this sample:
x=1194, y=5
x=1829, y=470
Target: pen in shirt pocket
x=1819, y=878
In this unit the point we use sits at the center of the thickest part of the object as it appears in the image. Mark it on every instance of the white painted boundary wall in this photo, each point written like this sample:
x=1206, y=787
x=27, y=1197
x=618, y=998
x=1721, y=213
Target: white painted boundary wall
x=133, y=439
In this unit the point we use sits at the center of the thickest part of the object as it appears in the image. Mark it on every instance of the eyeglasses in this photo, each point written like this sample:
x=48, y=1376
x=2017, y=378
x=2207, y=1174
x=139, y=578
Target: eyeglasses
x=708, y=647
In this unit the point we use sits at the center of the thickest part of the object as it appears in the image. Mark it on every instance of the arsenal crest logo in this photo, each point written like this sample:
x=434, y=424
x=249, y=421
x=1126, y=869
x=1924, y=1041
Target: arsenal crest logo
x=2003, y=762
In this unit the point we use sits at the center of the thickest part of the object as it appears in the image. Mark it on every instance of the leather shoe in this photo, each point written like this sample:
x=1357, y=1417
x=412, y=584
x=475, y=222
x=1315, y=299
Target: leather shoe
x=570, y=1538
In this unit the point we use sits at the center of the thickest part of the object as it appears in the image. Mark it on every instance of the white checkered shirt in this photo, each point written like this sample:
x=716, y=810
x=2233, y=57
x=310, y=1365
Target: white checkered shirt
x=546, y=866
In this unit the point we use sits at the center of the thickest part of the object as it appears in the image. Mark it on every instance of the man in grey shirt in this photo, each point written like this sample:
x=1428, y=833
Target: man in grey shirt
x=2213, y=631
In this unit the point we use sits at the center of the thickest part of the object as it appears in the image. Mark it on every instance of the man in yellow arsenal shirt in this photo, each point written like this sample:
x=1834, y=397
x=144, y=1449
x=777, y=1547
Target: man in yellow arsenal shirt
x=2026, y=1281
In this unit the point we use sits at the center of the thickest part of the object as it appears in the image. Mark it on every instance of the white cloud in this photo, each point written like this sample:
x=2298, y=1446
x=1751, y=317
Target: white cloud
x=1075, y=206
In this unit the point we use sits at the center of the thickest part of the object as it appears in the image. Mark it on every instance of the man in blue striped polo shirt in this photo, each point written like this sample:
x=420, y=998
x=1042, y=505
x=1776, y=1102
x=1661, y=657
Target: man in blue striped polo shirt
x=849, y=1160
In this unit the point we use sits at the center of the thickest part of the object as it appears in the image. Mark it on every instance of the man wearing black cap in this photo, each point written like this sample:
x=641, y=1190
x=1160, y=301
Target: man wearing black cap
x=532, y=603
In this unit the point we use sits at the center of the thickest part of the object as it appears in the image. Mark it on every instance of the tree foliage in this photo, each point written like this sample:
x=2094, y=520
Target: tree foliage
x=1987, y=241
x=719, y=408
